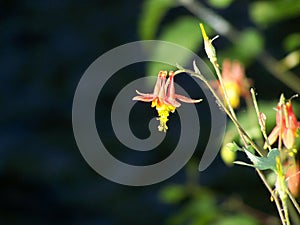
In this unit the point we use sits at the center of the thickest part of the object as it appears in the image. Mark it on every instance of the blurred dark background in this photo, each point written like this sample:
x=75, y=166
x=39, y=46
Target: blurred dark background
x=45, y=47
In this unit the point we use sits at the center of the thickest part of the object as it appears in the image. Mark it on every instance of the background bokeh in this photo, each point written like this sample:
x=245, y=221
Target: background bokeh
x=45, y=47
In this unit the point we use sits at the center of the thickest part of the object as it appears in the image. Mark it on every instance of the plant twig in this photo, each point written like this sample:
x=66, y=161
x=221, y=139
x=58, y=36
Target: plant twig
x=216, y=67
x=200, y=76
x=262, y=126
x=274, y=196
x=295, y=203
x=220, y=102
x=211, y=54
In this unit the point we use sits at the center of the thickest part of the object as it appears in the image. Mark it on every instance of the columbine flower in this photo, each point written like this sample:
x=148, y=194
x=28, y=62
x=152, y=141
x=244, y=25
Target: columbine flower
x=235, y=81
x=293, y=177
x=164, y=98
x=286, y=124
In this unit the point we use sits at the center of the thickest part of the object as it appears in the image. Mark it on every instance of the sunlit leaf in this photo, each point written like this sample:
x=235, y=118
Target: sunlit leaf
x=268, y=12
x=262, y=163
x=246, y=48
x=292, y=42
x=249, y=45
x=172, y=194
x=232, y=147
x=153, y=12
x=239, y=219
x=271, y=178
x=184, y=32
x=221, y=4
x=200, y=210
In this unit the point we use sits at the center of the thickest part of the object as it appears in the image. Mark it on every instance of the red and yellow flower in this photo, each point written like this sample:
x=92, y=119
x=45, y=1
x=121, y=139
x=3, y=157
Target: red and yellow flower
x=164, y=98
x=287, y=124
x=235, y=82
x=293, y=178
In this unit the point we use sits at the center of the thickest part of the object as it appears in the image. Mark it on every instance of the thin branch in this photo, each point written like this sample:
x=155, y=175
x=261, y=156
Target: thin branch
x=274, y=196
x=200, y=76
x=262, y=126
x=295, y=203
x=220, y=102
x=228, y=101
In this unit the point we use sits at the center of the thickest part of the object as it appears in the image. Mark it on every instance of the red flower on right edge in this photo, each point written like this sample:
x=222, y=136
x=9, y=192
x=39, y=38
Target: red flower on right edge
x=287, y=124
x=235, y=82
x=293, y=177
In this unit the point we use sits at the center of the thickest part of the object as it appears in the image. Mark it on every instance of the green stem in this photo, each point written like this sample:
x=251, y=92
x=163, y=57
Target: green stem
x=220, y=102
x=216, y=67
x=294, y=215
x=274, y=196
x=295, y=203
x=211, y=54
x=236, y=123
x=285, y=210
x=280, y=127
x=282, y=190
x=262, y=126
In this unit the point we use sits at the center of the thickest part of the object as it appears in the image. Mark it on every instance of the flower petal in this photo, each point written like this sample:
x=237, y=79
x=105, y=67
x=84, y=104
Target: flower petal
x=289, y=138
x=170, y=87
x=162, y=91
x=143, y=98
x=157, y=86
x=237, y=72
x=273, y=136
x=143, y=94
x=186, y=99
x=172, y=102
x=226, y=69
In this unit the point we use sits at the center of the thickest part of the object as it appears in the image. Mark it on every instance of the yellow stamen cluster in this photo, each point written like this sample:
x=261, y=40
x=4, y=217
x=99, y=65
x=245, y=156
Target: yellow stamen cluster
x=163, y=113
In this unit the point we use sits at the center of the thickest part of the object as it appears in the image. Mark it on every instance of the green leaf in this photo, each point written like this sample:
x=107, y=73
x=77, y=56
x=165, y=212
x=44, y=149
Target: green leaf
x=271, y=178
x=199, y=210
x=249, y=44
x=267, y=12
x=152, y=68
x=239, y=219
x=185, y=32
x=292, y=42
x=243, y=163
x=220, y=4
x=153, y=12
x=262, y=163
x=172, y=194
x=232, y=147
x=251, y=149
